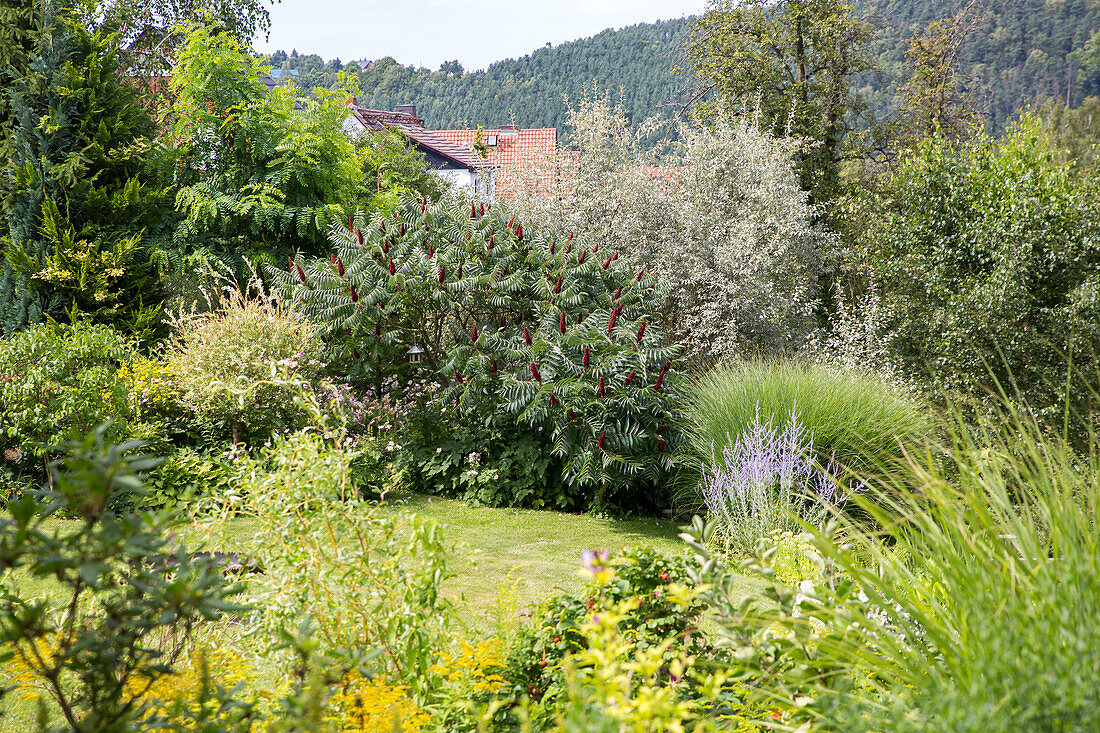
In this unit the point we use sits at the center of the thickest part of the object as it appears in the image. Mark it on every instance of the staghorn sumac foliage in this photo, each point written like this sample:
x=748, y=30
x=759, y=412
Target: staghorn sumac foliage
x=493, y=328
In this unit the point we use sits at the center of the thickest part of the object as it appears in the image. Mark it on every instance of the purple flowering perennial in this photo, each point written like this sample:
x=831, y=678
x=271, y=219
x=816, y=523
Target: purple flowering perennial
x=767, y=481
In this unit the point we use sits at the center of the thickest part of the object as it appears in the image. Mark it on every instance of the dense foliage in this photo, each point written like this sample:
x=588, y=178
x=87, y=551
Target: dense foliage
x=73, y=188
x=261, y=172
x=795, y=64
x=1019, y=53
x=723, y=223
x=59, y=382
x=551, y=331
x=986, y=261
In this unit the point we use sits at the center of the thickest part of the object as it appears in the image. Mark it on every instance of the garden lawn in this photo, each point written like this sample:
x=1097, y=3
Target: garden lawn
x=504, y=554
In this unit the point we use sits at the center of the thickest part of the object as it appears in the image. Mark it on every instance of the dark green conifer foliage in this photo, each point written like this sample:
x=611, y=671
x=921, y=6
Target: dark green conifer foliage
x=557, y=335
x=73, y=196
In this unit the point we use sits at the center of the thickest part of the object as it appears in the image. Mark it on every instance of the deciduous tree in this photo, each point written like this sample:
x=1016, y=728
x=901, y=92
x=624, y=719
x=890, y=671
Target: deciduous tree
x=793, y=62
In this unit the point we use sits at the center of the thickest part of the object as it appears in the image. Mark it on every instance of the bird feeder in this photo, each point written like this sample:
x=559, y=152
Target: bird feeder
x=416, y=355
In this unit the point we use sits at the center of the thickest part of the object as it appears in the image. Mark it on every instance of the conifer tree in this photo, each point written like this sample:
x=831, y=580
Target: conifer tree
x=74, y=198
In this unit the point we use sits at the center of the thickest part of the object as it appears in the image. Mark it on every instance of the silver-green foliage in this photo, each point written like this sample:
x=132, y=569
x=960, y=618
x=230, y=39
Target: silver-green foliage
x=721, y=219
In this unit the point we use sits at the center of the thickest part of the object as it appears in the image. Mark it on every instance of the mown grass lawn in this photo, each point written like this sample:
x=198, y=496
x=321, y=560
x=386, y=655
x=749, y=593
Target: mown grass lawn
x=529, y=553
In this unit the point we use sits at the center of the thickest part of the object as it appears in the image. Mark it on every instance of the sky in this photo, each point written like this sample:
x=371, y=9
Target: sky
x=429, y=32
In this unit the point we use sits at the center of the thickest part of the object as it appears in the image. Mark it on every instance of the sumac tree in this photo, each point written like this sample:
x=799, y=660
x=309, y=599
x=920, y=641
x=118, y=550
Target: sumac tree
x=553, y=332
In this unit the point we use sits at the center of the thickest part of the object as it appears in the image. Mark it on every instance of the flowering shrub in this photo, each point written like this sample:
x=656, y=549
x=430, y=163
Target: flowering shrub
x=766, y=481
x=362, y=705
x=653, y=592
x=523, y=326
x=472, y=669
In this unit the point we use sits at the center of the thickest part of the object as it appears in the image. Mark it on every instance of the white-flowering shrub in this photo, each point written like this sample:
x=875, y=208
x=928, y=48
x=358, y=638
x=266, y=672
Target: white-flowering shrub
x=722, y=220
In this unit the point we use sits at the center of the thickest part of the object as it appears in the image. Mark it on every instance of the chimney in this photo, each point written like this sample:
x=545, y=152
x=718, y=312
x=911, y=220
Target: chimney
x=508, y=130
x=406, y=109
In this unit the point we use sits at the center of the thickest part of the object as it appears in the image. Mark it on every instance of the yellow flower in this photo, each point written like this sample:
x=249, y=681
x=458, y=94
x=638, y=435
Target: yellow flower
x=360, y=705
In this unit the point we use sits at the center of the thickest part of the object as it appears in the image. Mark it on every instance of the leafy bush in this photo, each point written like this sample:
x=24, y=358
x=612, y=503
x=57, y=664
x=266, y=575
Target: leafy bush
x=233, y=367
x=986, y=265
x=766, y=482
x=981, y=611
x=366, y=581
x=484, y=462
x=257, y=169
x=857, y=423
x=118, y=615
x=56, y=382
x=722, y=220
x=522, y=326
x=646, y=582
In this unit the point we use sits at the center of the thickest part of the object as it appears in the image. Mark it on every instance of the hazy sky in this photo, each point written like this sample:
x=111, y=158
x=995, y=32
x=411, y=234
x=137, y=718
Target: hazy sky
x=428, y=32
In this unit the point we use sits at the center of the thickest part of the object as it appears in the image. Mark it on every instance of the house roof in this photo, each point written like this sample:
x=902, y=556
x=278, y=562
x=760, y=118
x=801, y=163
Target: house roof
x=413, y=127
x=516, y=151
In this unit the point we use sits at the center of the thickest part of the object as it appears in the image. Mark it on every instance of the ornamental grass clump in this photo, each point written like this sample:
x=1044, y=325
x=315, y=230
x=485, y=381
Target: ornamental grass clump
x=767, y=482
x=859, y=423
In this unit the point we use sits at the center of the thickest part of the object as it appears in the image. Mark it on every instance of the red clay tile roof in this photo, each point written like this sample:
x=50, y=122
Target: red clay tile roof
x=413, y=127
x=516, y=152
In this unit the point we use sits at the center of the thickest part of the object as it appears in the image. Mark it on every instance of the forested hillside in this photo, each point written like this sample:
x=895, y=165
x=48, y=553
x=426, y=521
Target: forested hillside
x=1020, y=51
x=529, y=91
